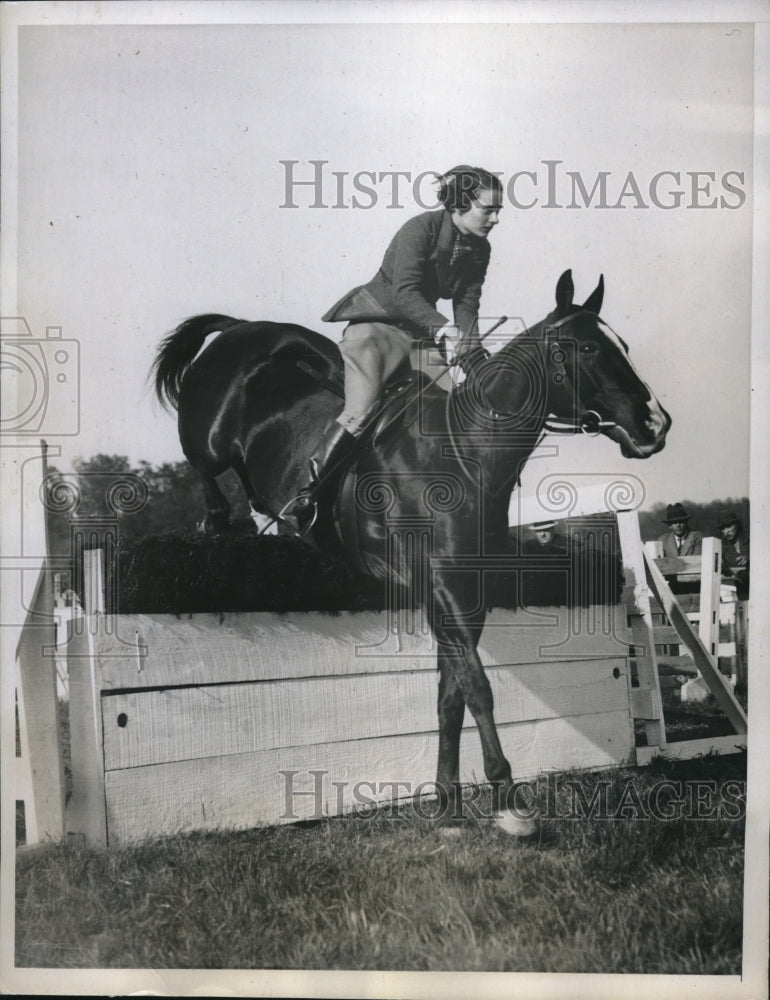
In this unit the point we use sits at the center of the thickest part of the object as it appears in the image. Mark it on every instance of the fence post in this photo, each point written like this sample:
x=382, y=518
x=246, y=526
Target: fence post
x=38, y=770
x=86, y=810
x=741, y=646
x=698, y=688
x=710, y=582
x=649, y=705
x=38, y=710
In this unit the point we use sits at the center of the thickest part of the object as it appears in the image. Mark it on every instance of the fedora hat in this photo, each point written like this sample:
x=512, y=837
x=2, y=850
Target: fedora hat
x=676, y=512
x=726, y=518
x=542, y=525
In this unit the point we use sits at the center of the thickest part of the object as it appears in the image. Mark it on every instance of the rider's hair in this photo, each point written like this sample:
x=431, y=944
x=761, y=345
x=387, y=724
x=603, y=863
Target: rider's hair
x=460, y=186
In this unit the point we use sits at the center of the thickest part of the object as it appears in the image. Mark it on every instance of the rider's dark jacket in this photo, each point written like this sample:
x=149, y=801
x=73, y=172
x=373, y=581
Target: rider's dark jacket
x=415, y=273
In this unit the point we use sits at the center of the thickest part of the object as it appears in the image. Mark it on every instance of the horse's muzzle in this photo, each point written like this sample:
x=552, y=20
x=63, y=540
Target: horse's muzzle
x=644, y=440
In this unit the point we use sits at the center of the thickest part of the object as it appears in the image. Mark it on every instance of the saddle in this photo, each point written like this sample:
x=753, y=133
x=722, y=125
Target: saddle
x=400, y=392
x=336, y=497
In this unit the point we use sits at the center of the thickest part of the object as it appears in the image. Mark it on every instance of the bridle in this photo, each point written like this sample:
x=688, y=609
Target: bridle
x=590, y=421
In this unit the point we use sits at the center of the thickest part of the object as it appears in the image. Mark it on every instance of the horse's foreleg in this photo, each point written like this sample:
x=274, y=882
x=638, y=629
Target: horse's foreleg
x=467, y=671
x=460, y=663
x=451, y=710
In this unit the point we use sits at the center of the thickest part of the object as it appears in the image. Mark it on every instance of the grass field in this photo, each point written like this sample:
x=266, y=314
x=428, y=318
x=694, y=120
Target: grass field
x=614, y=889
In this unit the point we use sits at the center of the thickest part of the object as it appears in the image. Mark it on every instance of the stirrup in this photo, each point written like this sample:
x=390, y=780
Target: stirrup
x=293, y=514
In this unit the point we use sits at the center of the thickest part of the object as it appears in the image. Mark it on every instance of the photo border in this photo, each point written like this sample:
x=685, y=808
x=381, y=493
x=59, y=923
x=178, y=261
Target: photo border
x=445, y=985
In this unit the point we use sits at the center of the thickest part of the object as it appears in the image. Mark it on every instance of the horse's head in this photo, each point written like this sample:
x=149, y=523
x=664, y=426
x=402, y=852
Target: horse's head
x=570, y=373
x=592, y=383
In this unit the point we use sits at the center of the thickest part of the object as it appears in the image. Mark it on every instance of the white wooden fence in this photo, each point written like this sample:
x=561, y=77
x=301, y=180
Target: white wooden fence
x=231, y=721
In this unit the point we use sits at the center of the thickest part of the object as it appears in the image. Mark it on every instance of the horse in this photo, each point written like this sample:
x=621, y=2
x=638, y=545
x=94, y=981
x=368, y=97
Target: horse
x=426, y=503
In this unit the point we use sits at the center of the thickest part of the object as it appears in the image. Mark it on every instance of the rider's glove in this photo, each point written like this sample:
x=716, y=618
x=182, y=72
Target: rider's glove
x=450, y=335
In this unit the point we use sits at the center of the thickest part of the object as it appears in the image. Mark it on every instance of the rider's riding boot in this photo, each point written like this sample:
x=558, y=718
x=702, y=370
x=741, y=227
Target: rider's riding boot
x=335, y=445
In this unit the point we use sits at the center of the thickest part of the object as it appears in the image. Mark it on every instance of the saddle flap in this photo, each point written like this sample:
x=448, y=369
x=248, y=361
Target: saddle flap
x=398, y=399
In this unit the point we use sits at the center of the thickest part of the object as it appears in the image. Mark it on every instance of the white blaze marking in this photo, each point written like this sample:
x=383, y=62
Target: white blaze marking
x=655, y=418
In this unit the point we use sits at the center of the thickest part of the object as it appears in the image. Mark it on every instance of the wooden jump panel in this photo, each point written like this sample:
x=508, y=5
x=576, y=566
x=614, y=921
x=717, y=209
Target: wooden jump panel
x=186, y=724
x=246, y=790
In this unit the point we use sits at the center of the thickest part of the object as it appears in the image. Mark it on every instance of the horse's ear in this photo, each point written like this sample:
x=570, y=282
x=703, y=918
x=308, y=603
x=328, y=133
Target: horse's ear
x=594, y=301
x=565, y=291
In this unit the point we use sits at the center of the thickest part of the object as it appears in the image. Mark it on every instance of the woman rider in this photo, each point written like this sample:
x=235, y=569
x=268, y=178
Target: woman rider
x=436, y=255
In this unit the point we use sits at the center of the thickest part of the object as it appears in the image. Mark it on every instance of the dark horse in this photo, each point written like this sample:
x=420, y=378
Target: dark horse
x=428, y=500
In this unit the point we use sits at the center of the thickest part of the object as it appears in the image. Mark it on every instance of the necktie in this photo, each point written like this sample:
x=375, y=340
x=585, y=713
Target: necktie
x=460, y=250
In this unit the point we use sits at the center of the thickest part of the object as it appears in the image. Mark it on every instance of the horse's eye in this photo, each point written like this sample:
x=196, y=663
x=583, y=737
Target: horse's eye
x=588, y=350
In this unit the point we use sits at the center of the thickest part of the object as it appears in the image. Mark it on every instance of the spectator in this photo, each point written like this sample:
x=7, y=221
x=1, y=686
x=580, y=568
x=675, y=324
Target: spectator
x=545, y=584
x=735, y=551
x=547, y=540
x=680, y=540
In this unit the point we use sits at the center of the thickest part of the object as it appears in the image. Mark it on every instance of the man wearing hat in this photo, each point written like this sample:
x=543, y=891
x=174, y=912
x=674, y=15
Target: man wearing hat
x=735, y=551
x=546, y=541
x=680, y=540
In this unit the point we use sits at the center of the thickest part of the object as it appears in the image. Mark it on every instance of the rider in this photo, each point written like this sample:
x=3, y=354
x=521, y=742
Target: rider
x=438, y=254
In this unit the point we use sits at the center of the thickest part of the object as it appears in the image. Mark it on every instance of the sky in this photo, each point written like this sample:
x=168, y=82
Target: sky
x=152, y=186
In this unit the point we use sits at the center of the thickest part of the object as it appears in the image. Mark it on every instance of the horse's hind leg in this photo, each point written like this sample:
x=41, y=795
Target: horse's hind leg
x=266, y=522
x=217, y=506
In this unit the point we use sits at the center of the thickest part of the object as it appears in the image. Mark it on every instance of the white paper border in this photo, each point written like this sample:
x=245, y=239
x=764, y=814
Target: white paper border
x=451, y=984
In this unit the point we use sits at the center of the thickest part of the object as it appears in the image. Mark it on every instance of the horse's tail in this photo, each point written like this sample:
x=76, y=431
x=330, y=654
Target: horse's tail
x=177, y=351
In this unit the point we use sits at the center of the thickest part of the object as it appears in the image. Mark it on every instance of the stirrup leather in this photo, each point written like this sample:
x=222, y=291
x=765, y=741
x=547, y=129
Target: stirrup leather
x=301, y=512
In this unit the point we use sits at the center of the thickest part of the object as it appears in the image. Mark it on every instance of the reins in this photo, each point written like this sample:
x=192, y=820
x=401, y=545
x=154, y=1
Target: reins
x=590, y=422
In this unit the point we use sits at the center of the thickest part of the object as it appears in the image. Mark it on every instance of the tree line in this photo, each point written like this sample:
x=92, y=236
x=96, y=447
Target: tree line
x=149, y=500
x=146, y=500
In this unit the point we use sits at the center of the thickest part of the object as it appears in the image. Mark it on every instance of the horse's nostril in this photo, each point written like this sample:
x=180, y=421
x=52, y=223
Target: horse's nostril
x=655, y=423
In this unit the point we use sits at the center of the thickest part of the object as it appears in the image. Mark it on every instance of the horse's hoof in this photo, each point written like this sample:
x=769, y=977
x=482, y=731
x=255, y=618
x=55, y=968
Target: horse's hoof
x=266, y=525
x=514, y=825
